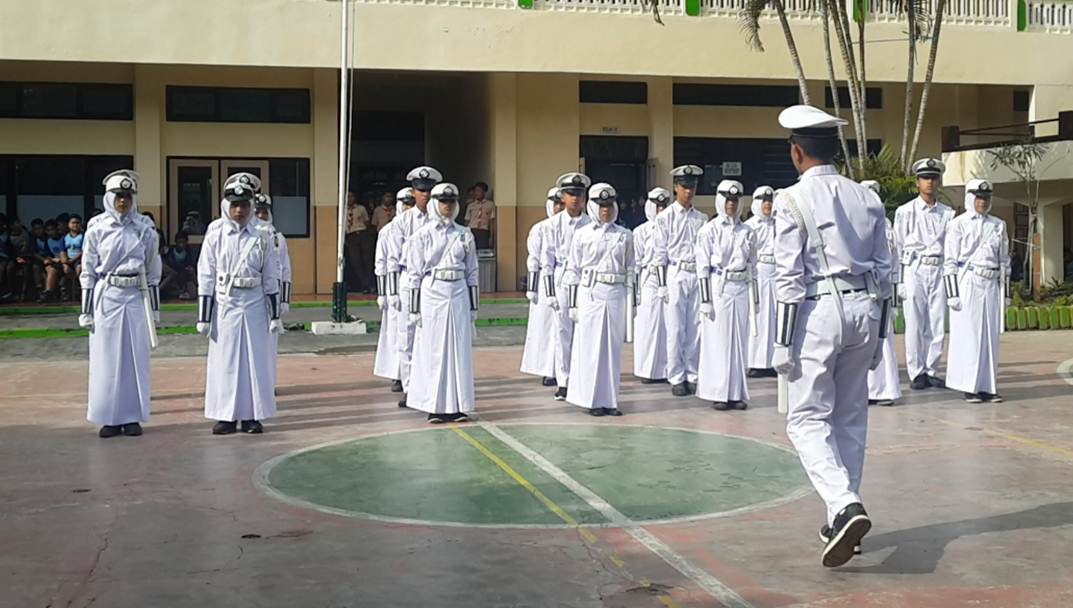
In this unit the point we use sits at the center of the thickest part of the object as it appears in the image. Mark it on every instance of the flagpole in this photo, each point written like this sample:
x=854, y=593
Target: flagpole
x=339, y=290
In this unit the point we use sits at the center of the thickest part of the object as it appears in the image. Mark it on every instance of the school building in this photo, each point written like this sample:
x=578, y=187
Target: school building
x=512, y=92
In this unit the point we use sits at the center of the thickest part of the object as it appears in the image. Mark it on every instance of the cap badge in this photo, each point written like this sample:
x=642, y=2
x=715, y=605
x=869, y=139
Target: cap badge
x=244, y=179
x=576, y=180
x=423, y=173
x=126, y=184
x=688, y=171
x=239, y=190
x=931, y=163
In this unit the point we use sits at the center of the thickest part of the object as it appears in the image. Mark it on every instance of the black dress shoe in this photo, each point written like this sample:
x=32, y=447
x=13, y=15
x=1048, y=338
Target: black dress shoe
x=680, y=390
x=754, y=373
x=850, y=526
x=110, y=431
x=547, y=381
x=560, y=395
x=651, y=381
x=825, y=537
x=437, y=418
x=770, y=372
x=973, y=398
x=224, y=427
x=881, y=402
x=691, y=387
x=612, y=411
x=721, y=406
x=402, y=402
x=396, y=386
x=252, y=427
x=597, y=411
x=739, y=405
x=461, y=417
x=991, y=397
x=132, y=430
x=919, y=383
x=935, y=382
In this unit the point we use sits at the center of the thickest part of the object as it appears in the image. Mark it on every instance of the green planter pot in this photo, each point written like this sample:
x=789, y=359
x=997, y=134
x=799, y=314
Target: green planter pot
x=1064, y=314
x=1032, y=317
x=1044, y=318
x=1053, y=320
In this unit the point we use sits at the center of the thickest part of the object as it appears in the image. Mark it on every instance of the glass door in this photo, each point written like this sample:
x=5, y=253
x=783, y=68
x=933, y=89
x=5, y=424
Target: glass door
x=192, y=197
x=256, y=167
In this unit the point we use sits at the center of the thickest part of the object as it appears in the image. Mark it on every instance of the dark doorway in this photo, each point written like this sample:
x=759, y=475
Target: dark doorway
x=621, y=162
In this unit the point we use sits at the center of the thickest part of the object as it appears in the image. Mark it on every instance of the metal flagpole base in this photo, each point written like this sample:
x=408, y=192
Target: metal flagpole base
x=341, y=323
x=339, y=313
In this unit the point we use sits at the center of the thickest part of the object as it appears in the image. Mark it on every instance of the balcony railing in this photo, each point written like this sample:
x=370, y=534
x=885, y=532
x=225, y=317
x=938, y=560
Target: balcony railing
x=1049, y=16
x=963, y=12
x=954, y=139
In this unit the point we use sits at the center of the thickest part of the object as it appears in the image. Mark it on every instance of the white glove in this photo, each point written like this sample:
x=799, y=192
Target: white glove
x=877, y=356
x=663, y=293
x=781, y=361
x=473, y=316
x=707, y=309
x=85, y=321
x=415, y=318
x=531, y=296
x=203, y=328
x=156, y=317
x=276, y=326
x=553, y=302
x=954, y=303
x=901, y=292
x=284, y=308
x=381, y=302
x=573, y=314
x=395, y=302
x=1009, y=302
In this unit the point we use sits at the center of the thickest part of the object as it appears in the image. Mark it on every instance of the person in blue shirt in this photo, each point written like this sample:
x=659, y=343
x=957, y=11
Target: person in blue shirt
x=180, y=269
x=52, y=262
x=71, y=256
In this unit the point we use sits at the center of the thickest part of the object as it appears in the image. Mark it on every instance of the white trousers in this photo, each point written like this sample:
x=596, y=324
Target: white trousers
x=683, y=326
x=883, y=381
x=925, y=309
x=974, y=336
x=827, y=419
x=564, y=331
x=762, y=345
x=404, y=339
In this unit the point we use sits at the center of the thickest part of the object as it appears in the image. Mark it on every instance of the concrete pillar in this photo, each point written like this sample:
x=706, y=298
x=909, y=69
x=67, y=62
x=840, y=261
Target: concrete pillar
x=1047, y=101
x=503, y=132
x=1051, y=233
x=324, y=184
x=148, y=160
x=661, y=130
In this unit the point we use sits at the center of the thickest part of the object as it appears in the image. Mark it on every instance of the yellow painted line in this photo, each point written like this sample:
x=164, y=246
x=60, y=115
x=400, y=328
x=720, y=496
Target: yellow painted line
x=550, y=504
x=1035, y=443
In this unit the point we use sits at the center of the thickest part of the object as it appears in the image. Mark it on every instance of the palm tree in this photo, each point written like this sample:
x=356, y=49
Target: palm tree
x=936, y=26
x=837, y=11
x=750, y=25
x=825, y=14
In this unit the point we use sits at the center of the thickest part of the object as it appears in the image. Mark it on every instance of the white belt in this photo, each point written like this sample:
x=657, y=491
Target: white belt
x=926, y=260
x=238, y=282
x=735, y=276
x=609, y=278
x=441, y=274
x=987, y=273
x=823, y=287
x=118, y=281
x=766, y=258
x=685, y=266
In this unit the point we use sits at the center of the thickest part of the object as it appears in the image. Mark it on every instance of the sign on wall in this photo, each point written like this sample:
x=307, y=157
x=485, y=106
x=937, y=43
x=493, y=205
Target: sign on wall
x=731, y=169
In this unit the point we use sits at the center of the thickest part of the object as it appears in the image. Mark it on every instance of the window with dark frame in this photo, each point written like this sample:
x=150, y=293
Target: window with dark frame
x=606, y=91
x=873, y=98
x=60, y=100
x=766, y=96
x=43, y=186
x=237, y=104
x=1021, y=101
x=289, y=188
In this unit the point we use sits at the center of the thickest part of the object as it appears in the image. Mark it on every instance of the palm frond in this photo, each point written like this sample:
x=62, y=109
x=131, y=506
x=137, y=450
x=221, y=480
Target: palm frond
x=750, y=23
x=654, y=4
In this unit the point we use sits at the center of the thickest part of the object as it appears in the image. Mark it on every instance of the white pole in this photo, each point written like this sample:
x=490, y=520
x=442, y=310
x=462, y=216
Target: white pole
x=343, y=119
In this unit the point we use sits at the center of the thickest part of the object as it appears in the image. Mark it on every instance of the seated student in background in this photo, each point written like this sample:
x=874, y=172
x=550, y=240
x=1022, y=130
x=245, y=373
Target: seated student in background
x=8, y=263
x=71, y=256
x=52, y=262
x=36, y=253
x=180, y=269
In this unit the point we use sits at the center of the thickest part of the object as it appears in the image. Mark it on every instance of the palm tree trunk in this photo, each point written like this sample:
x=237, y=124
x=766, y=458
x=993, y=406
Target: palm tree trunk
x=845, y=45
x=825, y=15
x=792, y=48
x=912, y=18
x=939, y=6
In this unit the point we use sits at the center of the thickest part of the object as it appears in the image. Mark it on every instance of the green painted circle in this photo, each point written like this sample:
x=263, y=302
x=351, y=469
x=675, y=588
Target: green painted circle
x=438, y=476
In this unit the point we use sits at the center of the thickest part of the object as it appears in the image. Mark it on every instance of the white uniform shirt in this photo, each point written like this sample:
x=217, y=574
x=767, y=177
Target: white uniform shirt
x=763, y=228
x=408, y=223
x=676, y=234
x=383, y=244
x=560, y=232
x=601, y=248
x=534, y=245
x=441, y=246
x=644, y=245
x=724, y=245
x=978, y=241
x=227, y=250
x=122, y=247
x=850, y=220
x=919, y=229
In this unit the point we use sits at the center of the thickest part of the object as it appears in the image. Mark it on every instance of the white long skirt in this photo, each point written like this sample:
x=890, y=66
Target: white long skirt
x=650, y=332
x=441, y=378
x=596, y=360
x=974, y=336
x=538, y=356
x=118, y=358
x=883, y=381
x=762, y=345
x=724, y=345
x=386, y=364
x=405, y=338
x=240, y=380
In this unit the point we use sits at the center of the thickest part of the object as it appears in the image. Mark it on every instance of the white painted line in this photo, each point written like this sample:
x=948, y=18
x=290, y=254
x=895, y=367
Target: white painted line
x=713, y=586
x=1065, y=370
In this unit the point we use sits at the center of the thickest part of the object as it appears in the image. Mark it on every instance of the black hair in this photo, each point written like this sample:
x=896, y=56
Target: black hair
x=180, y=235
x=52, y=224
x=823, y=149
x=74, y=216
x=36, y=221
x=481, y=185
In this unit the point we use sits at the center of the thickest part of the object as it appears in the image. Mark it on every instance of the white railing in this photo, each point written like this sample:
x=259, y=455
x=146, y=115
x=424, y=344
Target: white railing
x=1053, y=16
x=465, y=3
x=961, y=12
x=666, y=7
x=800, y=9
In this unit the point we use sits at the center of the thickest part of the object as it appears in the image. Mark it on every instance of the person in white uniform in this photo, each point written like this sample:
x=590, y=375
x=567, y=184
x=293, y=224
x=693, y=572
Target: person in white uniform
x=120, y=306
x=386, y=364
x=726, y=255
x=262, y=209
x=599, y=279
x=538, y=355
x=674, y=248
x=976, y=276
x=421, y=179
x=443, y=284
x=833, y=298
x=919, y=231
x=884, y=385
x=762, y=342
x=239, y=310
x=650, y=341
x=573, y=188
